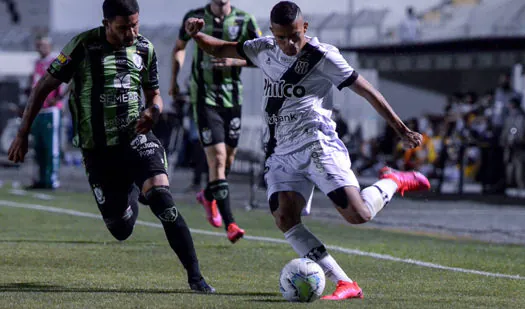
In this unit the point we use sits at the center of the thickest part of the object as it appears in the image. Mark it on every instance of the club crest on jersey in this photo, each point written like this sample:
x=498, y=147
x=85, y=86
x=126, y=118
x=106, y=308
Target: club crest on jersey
x=138, y=62
x=233, y=31
x=301, y=67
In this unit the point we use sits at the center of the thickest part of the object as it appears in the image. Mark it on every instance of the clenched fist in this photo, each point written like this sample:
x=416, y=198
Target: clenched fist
x=193, y=26
x=411, y=139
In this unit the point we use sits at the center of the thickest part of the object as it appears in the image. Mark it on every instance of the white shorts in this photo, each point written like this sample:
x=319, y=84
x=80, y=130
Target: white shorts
x=323, y=164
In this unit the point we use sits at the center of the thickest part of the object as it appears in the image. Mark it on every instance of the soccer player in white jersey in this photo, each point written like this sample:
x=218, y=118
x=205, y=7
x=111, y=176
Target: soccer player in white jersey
x=303, y=149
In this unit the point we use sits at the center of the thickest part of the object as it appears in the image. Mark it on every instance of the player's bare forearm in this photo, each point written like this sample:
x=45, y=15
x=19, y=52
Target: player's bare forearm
x=35, y=101
x=153, y=98
x=362, y=87
x=239, y=62
x=216, y=47
x=179, y=53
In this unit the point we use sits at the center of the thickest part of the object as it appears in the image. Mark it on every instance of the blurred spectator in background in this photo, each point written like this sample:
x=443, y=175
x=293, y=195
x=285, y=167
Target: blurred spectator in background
x=410, y=28
x=46, y=127
x=513, y=142
x=421, y=158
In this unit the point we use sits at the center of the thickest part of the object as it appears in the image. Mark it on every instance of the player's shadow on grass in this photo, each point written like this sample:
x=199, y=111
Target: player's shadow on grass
x=73, y=242
x=49, y=288
x=269, y=300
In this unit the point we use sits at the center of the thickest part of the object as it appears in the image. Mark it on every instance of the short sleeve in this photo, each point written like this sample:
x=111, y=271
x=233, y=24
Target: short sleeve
x=68, y=61
x=251, y=49
x=337, y=70
x=252, y=29
x=150, y=76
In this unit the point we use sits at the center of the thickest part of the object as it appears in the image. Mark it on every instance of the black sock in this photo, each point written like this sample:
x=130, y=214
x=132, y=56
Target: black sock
x=221, y=193
x=176, y=229
x=207, y=192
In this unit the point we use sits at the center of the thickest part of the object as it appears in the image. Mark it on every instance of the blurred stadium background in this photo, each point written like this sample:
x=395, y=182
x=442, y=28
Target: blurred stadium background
x=442, y=72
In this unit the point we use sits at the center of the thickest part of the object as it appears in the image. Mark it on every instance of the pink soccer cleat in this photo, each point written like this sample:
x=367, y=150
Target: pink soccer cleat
x=345, y=290
x=234, y=232
x=406, y=181
x=212, y=213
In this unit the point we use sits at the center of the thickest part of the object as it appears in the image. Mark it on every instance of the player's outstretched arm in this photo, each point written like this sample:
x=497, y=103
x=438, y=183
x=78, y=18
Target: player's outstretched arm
x=38, y=95
x=215, y=47
x=362, y=87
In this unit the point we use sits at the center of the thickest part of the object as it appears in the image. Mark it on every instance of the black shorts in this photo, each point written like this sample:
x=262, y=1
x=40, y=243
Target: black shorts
x=115, y=173
x=218, y=124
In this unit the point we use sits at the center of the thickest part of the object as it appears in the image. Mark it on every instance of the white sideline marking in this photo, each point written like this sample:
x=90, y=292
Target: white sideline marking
x=271, y=240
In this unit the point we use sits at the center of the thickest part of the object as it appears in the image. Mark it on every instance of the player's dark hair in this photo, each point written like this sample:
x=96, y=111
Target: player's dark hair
x=285, y=13
x=114, y=8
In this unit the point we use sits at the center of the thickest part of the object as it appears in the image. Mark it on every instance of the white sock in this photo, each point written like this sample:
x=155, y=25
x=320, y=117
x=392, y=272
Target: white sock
x=332, y=270
x=305, y=244
x=378, y=195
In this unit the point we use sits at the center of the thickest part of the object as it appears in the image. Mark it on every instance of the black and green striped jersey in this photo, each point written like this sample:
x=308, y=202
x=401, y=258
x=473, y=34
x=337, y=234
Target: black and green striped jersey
x=219, y=86
x=105, y=100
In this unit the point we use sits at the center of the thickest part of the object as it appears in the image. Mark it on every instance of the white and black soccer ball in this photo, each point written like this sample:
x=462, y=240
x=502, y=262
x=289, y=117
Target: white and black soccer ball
x=302, y=280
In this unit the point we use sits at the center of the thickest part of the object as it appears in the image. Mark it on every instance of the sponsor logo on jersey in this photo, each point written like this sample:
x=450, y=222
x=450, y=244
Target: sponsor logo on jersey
x=118, y=61
x=94, y=46
x=114, y=99
x=119, y=123
x=274, y=119
x=281, y=89
x=122, y=80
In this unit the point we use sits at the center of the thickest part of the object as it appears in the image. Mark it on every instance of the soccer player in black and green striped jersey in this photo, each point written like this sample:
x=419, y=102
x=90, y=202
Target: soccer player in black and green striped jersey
x=216, y=95
x=109, y=66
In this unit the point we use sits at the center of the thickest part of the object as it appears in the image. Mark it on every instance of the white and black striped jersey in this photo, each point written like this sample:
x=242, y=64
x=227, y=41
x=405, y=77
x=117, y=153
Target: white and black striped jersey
x=295, y=91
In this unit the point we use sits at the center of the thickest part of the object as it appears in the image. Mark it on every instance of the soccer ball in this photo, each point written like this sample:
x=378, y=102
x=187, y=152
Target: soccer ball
x=302, y=280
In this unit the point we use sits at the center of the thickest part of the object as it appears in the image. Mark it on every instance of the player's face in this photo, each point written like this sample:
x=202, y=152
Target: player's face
x=290, y=38
x=43, y=47
x=123, y=30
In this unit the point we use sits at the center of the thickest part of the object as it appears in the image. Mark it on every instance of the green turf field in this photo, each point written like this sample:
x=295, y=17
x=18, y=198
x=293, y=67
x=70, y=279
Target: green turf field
x=55, y=260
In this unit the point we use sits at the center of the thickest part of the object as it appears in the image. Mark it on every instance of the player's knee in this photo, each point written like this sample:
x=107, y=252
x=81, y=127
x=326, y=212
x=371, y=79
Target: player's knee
x=121, y=227
x=285, y=222
x=162, y=204
x=218, y=161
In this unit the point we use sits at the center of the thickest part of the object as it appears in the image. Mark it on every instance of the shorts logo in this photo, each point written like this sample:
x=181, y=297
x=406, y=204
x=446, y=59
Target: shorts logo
x=99, y=194
x=169, y=215
x=235, y=123
x=301, y=67
x=206, y=136
x=139, y=140
x=235, y=128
